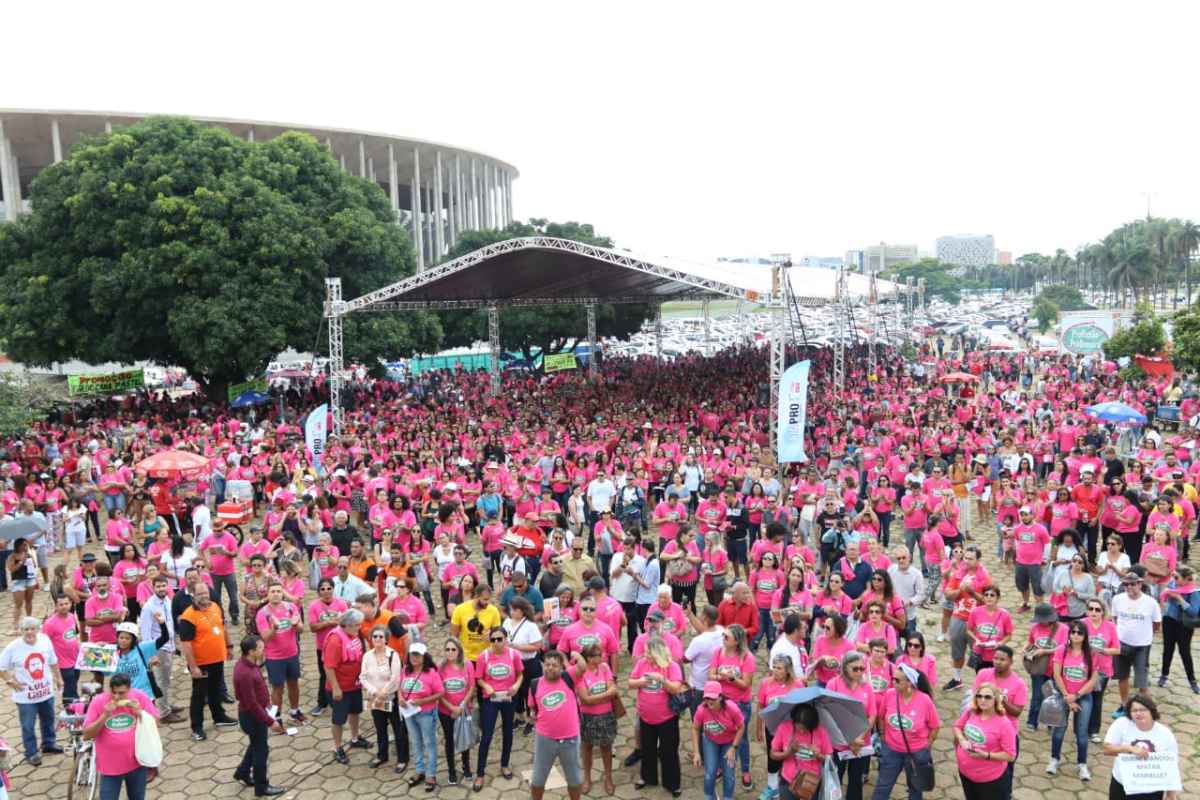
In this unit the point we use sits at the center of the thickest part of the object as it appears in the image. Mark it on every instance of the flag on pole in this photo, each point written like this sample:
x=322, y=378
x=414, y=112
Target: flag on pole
x=793, y=409
x=316, y=428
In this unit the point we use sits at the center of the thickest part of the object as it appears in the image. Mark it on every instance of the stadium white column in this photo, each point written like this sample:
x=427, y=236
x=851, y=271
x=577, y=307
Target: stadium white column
x=362, y=159
x=473, y=196
x=438, y=233
x=508, y=194
x=658, y=333
x=342, y=161
x=250, y=134
x=452, y=208
x=591, y=323
x=707, y=329
x=458, y=192
x=108, y=126
x=415, y=202
x=393, y=176
x=6, y=178
x=56, y=140
x=371, y=168
x=494, y=342
x=485, y=197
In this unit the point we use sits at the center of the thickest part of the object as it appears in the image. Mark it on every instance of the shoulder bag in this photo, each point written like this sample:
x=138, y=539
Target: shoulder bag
x=804, y=785
x=922, y=774
x=154, y=687
x=147, y=744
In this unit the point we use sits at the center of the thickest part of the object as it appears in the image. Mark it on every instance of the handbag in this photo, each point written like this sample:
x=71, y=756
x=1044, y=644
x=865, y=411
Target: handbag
x=922, y=773
x=831, y=783
x=618, y=707
x=314, y=574
x=679, y=568
x=466, y=734
x=154, y=687
x=421, y=577
x=1053, y=713
x=679, y=703
x=147, y=744
x=804, y=785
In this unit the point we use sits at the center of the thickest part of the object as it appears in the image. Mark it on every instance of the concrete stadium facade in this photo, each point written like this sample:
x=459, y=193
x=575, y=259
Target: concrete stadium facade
x=437, y=190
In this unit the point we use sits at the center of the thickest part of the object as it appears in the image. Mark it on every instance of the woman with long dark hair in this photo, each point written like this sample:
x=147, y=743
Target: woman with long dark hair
x=800, y=744
x=1075, y=675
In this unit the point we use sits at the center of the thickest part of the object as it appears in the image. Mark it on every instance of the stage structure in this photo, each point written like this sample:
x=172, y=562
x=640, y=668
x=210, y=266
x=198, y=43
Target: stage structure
x=542, y=270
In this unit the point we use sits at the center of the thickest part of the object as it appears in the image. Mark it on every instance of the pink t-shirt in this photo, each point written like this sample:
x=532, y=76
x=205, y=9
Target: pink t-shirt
x=249, y=548
x=719, y=726
x=556, y=709
x=326, y=561
x=674, y=645
x=917, y=715
x=726, y=668
x=320, y=612
x=107, y=632
x=1030, y=542
x=114, y=743
x=219, y=563
x=129, y=573
x=926, y=665
x=457, y=683
x=285, y=643
x=1012, y=688
x=594, y=682
x=652, y=705
x=116, y=533
x=863, y=692
x=867, y=631
x=814, y=746
x=1075, y=670
x=988, y=735
x=578, y=636
x=63, y=633
x=1103, y=635
x=823, y=647
x=769, y=689
x=764, y=583
x=988, y=626
x=499, y=671
x=1048, y=637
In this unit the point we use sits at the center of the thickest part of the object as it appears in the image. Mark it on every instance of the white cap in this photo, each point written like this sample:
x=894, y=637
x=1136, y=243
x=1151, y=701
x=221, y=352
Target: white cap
x=1026, y=510
x=130, y=628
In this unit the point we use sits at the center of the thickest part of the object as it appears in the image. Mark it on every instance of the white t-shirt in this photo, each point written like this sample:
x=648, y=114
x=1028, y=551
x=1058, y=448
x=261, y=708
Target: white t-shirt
x=1135, y=619
x=30, y=664
x=624, y=589
x=523, y=632
x=784, y=646
x=1108, y=579
x=175, y=567
x=201, y=523
x=1125, y=731
x=700, y=652
x=601, y=494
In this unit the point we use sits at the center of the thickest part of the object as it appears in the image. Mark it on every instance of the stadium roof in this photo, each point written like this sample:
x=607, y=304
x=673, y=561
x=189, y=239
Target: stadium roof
x=542, y=270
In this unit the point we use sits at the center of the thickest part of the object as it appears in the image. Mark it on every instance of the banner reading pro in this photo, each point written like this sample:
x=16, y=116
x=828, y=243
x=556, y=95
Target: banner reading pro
x=111, y=383
x=316, y=427
x=793, y=409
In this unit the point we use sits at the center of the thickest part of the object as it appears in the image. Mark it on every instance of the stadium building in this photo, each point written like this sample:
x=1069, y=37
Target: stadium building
x=437, y=190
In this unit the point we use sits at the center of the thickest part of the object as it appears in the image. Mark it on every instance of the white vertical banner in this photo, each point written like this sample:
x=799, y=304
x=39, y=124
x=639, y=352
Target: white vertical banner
x=316, y=428
x=793, y=409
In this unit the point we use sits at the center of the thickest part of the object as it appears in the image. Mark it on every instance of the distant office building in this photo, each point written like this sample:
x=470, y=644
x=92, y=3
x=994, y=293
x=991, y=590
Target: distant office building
x=1004, y=258
x=966, y=251
x=824, y=262
x=879, y=257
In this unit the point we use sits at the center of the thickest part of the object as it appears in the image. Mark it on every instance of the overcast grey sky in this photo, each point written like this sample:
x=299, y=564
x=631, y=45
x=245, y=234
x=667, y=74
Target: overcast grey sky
x=694, y=129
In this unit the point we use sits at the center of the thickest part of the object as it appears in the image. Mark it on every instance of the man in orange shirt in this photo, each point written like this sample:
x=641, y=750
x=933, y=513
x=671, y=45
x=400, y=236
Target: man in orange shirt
x=362, y=566
x=373, y=615
x=204, y=639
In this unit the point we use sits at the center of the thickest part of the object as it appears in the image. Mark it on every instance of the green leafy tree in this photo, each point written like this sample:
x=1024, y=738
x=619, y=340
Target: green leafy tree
x=1045, y=311
x=24, y=401
x=551, y=329
x=1066, y=298
x=1146, y=338
x=939, y=280
x=185, y=245
x=1185, y=340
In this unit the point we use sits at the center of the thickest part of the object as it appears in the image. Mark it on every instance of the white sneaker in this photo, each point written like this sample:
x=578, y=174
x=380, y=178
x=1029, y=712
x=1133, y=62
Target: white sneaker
x=941, y=637
x=1052, y=767
x=1084, y=773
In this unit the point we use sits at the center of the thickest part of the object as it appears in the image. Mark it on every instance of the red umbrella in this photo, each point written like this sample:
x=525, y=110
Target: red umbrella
x=174, y=464
x=958, y=377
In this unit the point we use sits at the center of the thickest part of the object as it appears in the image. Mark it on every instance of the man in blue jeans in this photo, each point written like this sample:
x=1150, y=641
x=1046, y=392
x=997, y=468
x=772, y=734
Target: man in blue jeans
x=28, y=665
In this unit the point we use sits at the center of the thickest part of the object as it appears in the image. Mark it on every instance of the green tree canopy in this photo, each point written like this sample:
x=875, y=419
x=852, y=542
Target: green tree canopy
x=185, y=245
x=1066, y=298
x=1146, y=338
x=939, y=280
x=553, y=329
x=1185, y=339
x=1045, y=311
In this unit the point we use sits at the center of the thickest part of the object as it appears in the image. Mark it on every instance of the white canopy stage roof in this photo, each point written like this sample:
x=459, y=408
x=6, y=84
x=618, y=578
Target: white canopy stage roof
x=543, y=270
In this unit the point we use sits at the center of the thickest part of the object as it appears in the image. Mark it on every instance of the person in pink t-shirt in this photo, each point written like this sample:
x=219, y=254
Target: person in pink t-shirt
x=654, y=677
x=498, y=671
x=595, y=687
x=800, y=743
x=279, y=625
x=323, y=615
x=910, y=723
x=718, y=729
x=985, y=743
x=104, y=609
x=111, y=722
x=828, y=649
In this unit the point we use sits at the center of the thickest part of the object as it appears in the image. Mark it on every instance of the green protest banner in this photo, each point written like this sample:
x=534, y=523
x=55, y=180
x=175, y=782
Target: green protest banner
x=253, y=385
x=559, y=361
x=109, y=383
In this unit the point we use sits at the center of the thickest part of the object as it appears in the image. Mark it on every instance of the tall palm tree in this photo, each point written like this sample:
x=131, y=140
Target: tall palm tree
x=1130, y=267
x=1186, y=240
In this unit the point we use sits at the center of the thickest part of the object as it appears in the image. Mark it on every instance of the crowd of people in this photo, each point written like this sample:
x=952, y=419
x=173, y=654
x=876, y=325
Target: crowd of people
x=458, y=562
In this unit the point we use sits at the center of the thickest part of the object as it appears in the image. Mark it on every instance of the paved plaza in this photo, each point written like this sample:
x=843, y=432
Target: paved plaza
x=304, y=763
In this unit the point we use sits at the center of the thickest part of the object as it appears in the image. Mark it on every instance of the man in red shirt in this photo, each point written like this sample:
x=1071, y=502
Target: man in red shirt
x=740, y=609
x=1087, y=495
x=252, y=699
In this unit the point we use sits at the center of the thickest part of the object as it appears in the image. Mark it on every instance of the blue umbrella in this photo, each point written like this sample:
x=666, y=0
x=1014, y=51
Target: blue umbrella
x=1116, y=412
x=250, y=398
x=843, y=717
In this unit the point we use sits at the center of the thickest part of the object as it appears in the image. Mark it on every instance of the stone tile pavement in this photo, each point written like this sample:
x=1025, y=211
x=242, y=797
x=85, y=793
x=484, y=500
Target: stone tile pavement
x=304, y=765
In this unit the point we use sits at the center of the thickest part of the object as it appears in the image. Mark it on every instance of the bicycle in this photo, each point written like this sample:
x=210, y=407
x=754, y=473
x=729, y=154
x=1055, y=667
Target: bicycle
x=84, y=780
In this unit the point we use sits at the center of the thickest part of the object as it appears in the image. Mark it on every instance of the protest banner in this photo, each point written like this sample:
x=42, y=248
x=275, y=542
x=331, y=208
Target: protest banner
x=559, y=361
x=108, y=383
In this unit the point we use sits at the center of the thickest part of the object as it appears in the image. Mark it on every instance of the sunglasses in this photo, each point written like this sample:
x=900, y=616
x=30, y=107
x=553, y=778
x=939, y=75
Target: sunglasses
x=379, y=636
x=497, y=639
x=587, y=608
x=451, y=650
x=987, y=697
x=874, y=612
x=913, y=644
x=1095, y=608
x=856, y=669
